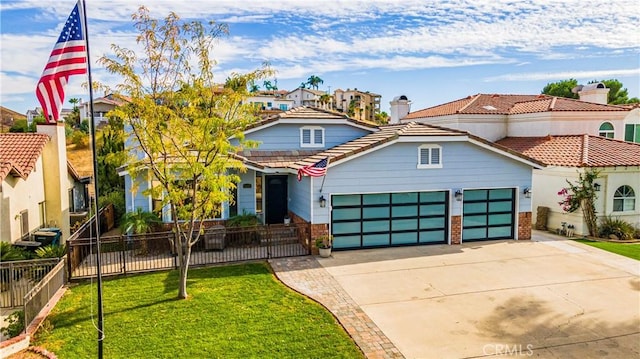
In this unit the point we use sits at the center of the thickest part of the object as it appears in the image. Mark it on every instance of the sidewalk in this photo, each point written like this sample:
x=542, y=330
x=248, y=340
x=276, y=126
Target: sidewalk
x=307, y=276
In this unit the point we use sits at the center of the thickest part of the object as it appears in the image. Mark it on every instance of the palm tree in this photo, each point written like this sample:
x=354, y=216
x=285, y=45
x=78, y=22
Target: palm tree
x=139, y=221
x=253, y=87
x=303, y=85
x=267, y=85
x=74, y=101
x=314, y=81
x=325, y=99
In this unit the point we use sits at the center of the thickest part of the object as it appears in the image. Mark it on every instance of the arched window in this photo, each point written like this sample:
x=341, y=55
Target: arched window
x=624, y=199
x=606, y=130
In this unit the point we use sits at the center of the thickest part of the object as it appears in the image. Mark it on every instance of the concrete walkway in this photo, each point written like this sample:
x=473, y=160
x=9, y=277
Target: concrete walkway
x=548, y=297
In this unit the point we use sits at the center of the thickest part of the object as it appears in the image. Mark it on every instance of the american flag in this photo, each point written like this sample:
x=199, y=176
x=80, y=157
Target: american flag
x=315, y=170
x=69, y=57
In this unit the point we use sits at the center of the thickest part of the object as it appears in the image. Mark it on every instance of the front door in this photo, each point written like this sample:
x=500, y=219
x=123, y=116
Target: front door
x=276, y=198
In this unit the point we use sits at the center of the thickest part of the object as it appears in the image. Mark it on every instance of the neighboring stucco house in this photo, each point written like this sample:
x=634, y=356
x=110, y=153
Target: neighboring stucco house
x=35, y=182
x=101, y=106
x=363, y=105
x=305, y=97
x=532, y=123
x=403, y=184
x=618, y=183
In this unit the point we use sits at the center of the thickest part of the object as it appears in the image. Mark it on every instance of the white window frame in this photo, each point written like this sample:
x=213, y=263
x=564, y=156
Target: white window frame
x=312, y=138
x=430, y=148
x=607, y=133
x=625, y=198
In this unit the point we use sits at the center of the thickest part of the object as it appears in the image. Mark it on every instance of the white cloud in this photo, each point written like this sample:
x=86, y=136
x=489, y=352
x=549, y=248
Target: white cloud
x=537, y=76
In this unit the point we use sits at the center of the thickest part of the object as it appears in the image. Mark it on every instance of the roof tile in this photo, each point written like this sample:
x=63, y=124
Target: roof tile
x=20, y=151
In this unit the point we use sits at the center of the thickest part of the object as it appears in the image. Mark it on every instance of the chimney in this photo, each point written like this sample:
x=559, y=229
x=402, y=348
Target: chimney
x=594, y=93
x=400, y=107
x=56, y=182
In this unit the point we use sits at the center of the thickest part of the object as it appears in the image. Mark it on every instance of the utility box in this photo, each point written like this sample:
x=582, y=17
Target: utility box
x=47, y=236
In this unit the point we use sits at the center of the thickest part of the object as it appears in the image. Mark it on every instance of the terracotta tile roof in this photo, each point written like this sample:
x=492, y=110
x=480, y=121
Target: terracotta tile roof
x=311, y=114
x=576, y=150
x=497, y=104
x=19, y=152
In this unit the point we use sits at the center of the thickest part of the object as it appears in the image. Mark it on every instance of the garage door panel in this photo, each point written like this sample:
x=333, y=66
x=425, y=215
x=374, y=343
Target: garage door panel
x=375, y=212
x=471, y=208
x=474, y=233
x=346, y=228
x=500, y=232
x=478, y=220
x=497, y=219
x=349, y=200
x=373, y=240
x=404, y=224
x=375, y=226
x=432, y=209
x=375, y=198
x=503, y=193
x=409, y=197
x=433, y=236
x=346, y=213
x=435, y=223
x=347, y=242
x=503, y=206
x=404, y=238
x=475, y=195
x=404, y=211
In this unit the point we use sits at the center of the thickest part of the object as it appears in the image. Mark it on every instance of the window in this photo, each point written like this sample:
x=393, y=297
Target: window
x=624, y=199
x=311, y=137
x=606, y=130
x=284, y=107
x=72, y=201
x=24, y=223
x=43, y=214
x=258, y=192
x=632, y=133
x=429, y=156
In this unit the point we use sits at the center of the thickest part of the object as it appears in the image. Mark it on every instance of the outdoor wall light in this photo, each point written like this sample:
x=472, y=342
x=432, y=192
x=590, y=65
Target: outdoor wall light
x=527, y=192
x=596, y=187
x=323, y=202
x=458, y=195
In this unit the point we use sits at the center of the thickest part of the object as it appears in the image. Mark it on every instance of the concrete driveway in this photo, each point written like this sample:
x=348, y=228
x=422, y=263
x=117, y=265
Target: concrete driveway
x=548, y=298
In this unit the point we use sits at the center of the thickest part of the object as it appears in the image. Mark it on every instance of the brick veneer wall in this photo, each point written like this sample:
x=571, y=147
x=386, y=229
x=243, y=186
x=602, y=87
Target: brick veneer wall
x=456, y=229
x=317, y=230
x=524, y=225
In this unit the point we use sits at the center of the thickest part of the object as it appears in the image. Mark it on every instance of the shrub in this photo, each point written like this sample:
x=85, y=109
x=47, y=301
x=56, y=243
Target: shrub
x=116, y=198
x=9, y=252
x=51, y=251
x=16, y=324
x=80, y=139
x=617, y=227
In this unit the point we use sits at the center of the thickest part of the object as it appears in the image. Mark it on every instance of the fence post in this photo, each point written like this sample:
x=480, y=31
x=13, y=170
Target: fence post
x=123, y=253
x=68, y=260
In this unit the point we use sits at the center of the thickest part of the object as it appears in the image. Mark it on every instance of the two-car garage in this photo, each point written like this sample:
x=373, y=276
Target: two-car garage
x=414, y=218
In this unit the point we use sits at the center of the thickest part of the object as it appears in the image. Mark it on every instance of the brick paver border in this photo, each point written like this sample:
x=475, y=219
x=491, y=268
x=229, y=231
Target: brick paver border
x=305, y=275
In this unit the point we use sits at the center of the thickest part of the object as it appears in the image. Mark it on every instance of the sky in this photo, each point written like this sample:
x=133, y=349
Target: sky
x=432, y=51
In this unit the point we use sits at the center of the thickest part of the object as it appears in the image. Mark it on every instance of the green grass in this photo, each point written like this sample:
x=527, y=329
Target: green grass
x=631, y=250
x=237, y=311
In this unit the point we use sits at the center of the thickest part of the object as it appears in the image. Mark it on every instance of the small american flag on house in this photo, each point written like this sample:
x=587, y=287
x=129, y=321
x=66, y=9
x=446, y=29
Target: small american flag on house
x=317, y=169
x=68, y=57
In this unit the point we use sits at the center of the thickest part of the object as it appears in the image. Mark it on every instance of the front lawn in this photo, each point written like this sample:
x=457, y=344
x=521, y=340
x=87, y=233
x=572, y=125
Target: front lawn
x=631, y=250
x=237, y=311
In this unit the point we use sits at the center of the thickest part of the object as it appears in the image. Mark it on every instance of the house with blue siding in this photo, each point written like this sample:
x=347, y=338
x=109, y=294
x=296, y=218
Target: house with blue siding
x=402, y=184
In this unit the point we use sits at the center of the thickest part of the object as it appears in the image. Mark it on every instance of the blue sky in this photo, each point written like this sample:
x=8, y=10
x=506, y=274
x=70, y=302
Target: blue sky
x=431, y=51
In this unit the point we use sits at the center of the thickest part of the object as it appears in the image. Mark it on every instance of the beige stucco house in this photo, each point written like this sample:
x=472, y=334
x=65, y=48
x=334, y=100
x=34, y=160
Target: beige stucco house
x=36, y=183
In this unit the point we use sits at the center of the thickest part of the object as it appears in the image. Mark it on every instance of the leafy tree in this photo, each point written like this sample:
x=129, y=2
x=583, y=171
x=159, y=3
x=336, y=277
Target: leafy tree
x=381, y=118
x=303, y=85
x=313, y=81
x=561, y=88
x=110, y=155
x=180, y=122
x=19, y=126
x=269, y=86
x=617, y=94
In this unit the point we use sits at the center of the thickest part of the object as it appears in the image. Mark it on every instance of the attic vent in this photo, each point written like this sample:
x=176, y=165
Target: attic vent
x=489, y=108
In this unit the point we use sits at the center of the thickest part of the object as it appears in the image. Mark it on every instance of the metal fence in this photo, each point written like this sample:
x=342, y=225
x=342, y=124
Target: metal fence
x=40, y=295
x=18, y=278
x=157, y=251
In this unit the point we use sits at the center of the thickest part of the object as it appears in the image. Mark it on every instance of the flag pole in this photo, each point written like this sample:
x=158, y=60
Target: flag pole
x=95, y=181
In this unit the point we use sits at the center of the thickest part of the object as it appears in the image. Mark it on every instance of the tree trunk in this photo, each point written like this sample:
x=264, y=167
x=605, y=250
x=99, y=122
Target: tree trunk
x=589, y=215
x=184, y=269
